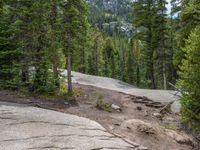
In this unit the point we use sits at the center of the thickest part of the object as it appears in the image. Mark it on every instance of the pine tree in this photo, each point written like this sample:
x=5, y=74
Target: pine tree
x=39, y=47
x=74, y=22
x=190, y=80
x=190, y=14
x=30, y=19
x=143, y=13
x=54, y=36
x=9, y=54
x=136, y=52
x=122, y=48
x=160, y=35
x=109, y=58
x=95, y=58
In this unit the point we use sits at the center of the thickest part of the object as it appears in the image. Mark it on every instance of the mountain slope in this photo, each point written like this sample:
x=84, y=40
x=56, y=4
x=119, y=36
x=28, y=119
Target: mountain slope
x=112, y=16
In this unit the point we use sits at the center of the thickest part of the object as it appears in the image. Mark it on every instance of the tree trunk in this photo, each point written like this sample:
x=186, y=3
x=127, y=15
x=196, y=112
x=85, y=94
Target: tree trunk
x=54, y=55
x=138, y=75
x=96, y=59
x=164, y=78
x=24, y=75
x=82, y=61
x=56, y=74
x=69, y=77
x=153, y=84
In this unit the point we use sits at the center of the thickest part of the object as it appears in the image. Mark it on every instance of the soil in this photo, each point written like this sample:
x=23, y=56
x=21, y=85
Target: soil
x=112, y=120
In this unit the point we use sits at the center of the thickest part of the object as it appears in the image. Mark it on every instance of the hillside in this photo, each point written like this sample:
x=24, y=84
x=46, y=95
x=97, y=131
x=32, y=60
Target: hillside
x=112, y=16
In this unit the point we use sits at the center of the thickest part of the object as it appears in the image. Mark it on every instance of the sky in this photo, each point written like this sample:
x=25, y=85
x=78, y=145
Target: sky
x=168, y=6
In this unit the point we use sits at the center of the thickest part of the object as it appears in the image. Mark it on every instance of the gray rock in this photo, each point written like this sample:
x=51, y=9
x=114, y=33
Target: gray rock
x=116, y=107
x=142, y=148
x=180, y=138
x=136, y=125
x=157, y=115
x=23, y=127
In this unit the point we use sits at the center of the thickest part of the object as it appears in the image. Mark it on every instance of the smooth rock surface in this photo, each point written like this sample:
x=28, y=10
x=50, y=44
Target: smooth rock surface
x=112, y=84
x=29, y=128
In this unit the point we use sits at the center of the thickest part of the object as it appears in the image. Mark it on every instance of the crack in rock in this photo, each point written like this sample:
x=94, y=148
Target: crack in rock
x=6, y=113
x=104, y=136
x=23, y=139
x=58, y=136
x=49, y=147
x=66, y=135
x=7, y=118
x=3, y=110
x=115, y=148
x=94, y=129
x=41, y=122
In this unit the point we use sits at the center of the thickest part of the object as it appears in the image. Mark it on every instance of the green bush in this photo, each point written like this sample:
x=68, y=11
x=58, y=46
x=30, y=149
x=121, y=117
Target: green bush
x=102, y=105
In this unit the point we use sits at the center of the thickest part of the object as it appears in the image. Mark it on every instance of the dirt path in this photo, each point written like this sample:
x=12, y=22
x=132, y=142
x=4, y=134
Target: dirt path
x=154, y=133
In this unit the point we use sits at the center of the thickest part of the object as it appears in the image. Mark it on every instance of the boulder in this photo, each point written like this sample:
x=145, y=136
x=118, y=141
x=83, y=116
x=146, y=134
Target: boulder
x=139, y=126
x=180, y=138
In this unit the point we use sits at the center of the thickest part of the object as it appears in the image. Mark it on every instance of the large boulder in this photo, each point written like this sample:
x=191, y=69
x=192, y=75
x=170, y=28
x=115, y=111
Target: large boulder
x=181, y=138
x=140, y=126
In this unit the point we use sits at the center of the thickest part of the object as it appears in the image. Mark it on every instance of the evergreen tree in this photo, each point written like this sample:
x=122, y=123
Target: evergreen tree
x=159, y=40
x=190, y=80
x=143, y=14
x=190, y=14
x=74, y=22
x=54, y=36
x=109, y=58
x=30, y=19
x=9, y=54
x=95, y=59
x=136, y=50
x=130, y=67
x=122, y=48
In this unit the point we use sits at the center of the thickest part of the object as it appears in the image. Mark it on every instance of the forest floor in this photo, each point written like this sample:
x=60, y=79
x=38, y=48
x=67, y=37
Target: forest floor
x=135, y=122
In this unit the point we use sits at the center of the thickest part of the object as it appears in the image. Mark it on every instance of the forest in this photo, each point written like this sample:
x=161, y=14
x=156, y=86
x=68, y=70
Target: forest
x=157, y=49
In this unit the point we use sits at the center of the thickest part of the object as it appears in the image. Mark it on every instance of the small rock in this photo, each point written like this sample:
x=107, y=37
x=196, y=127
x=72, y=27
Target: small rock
x=146, y=113
x=142, y=148
x=139, y=108
x=111, y=127
x=116, y=107
x=66, y=103
x=157, y=115
x=170, y=119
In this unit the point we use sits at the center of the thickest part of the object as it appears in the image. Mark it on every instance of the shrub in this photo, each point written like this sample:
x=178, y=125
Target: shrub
x=102, y=105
